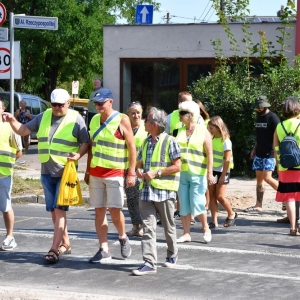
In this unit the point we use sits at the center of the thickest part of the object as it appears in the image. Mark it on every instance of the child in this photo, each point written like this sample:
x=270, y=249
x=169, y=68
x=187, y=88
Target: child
x=222, y=163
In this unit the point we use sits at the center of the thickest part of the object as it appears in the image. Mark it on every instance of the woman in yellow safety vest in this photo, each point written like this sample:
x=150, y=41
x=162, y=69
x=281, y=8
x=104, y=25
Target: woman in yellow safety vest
x=289, y=187
x=196, y=169
x=223, y=162
x=134, y=112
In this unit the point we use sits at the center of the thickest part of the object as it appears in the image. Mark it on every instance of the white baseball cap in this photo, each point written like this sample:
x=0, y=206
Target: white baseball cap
x=59, y=96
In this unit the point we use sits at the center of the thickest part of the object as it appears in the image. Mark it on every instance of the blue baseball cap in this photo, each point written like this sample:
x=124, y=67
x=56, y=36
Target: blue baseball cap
x=102, y=95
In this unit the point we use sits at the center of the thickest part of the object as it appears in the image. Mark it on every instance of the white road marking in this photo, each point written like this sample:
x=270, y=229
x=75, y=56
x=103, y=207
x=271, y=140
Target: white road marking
x=178, y=266
x=93, y=237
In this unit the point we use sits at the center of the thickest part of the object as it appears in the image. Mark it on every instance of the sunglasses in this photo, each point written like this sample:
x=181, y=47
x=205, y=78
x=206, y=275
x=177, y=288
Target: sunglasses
x=100, y=103
x=58, y=104
x=151, y=121
x=183, y=112
x=133, y=103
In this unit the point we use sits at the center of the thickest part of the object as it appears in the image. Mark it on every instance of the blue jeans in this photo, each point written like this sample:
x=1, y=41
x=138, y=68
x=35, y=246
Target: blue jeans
x=51, y=189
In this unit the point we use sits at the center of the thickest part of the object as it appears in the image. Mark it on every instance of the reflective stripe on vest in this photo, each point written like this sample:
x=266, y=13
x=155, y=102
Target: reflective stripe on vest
x=140, y=137
x=290, y=125
x=63, y=142
x=107, y=150
x=175, y=121
x=160, y=159
x=218, y=153
x=7, y=153
x=193, y=157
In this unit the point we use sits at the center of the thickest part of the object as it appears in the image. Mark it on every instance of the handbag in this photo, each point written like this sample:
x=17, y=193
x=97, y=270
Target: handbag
x=69, y=190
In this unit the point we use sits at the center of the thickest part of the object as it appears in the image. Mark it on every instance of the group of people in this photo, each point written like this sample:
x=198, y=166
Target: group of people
x=154, y=161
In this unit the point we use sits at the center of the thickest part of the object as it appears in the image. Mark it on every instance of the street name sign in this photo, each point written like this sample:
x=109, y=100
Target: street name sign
x=144, y=14
x=35, y=22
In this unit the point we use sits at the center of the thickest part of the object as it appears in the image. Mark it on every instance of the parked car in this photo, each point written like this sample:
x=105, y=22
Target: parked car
x=34, y=104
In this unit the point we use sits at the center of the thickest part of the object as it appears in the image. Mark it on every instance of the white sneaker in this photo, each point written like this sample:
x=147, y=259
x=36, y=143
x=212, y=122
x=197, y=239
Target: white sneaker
x=207, y=236
x=9, y=243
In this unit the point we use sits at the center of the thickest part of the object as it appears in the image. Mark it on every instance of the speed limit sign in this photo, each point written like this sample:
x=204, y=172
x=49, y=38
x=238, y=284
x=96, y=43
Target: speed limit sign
x=5, y=61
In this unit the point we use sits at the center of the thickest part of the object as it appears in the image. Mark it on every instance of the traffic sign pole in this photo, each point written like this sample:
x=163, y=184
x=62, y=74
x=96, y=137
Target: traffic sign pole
x=12, y=66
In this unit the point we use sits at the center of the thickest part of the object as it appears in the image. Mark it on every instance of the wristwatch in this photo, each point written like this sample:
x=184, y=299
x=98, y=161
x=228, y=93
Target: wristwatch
x=159, y=173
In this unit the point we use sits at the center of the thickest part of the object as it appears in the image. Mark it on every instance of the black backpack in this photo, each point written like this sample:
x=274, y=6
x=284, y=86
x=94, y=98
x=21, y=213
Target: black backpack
x=289, y=150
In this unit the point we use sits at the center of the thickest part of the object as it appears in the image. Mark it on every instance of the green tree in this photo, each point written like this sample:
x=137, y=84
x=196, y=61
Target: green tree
x=74, y=51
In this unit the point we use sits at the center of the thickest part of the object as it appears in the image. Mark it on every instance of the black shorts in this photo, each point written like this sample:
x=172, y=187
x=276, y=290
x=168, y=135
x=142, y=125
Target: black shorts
x=218, y=174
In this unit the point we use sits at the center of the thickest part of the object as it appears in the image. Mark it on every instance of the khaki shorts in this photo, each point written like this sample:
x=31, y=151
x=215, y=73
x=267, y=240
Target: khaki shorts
x=106, y=192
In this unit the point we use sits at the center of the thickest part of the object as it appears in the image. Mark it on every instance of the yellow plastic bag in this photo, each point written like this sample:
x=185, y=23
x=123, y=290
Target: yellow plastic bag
x=69, y=190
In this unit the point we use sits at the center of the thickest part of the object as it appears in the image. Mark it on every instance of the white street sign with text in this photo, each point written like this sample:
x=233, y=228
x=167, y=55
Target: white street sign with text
x=35, y=22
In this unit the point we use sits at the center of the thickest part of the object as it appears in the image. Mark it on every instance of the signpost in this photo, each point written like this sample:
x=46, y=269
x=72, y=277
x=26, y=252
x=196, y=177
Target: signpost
x=144, y=14
x=75, y=87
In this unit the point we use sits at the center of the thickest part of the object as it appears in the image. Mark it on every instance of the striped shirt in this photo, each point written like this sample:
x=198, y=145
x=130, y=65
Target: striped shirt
x=148, y=192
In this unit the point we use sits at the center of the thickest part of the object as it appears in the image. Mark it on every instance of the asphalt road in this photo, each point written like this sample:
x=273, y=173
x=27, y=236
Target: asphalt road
x=255, y=259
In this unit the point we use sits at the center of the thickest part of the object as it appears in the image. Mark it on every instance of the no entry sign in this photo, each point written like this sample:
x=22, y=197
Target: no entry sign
x=5, y=60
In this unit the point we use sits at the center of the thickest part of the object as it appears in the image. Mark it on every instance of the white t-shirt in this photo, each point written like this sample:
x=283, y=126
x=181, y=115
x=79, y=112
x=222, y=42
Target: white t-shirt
x=227, y=145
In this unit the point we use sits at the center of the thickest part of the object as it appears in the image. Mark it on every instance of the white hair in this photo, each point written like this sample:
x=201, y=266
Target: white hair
x=191, y=107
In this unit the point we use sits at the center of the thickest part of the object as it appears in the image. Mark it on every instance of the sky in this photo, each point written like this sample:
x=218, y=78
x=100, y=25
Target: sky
x=187, y=11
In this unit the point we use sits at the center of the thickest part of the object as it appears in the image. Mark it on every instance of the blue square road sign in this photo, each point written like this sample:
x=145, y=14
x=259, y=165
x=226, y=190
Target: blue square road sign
x=144, y=14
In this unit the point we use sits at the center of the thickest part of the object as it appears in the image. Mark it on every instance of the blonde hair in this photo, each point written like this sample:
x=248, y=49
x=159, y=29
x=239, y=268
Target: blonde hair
x=135, y=104
x=219, y=123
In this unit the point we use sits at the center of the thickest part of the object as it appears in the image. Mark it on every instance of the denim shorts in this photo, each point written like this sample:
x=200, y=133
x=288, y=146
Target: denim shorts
x=5, y=193
x=263, y=164
x=51, y=189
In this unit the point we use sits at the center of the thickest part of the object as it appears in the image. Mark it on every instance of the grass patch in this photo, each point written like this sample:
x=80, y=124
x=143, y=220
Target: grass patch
x=31, y=186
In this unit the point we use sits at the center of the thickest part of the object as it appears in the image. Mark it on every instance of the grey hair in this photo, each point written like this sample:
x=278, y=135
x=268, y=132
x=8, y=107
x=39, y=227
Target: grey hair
x=159, y=116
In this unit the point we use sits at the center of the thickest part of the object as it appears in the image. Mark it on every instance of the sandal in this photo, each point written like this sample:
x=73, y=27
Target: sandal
x=230, y=222
x=52, y=257
x=63, y=252
x=294, y=232
x=212, y=225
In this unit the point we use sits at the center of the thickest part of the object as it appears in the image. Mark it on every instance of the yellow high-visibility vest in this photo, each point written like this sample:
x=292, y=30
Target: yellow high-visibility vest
x=7, y=153
x=193, y=156
x=218, y=153
x=107, y=150
x=63, y=142
x=160, y=159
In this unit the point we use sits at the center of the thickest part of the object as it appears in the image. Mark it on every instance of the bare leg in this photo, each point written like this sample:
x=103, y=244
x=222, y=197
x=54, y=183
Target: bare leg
x=101, y=226
x=221, y=189
x=213, y=203
x=203, y=219
x=186, y=224
x=9, y=219
x=118, y=219
x=60, y=228
x=291, y=212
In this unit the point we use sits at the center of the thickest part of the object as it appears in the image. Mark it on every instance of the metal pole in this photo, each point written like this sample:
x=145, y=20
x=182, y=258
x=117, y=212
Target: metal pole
x=12, y=65
x=297, y=31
